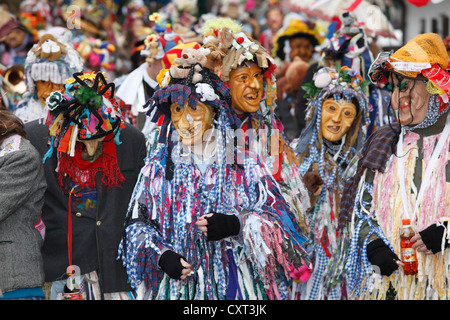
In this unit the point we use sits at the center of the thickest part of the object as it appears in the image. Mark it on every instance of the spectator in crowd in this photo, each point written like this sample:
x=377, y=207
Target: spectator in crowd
x=23, y=185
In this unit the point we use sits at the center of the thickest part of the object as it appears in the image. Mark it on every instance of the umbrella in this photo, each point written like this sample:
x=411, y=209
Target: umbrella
x=374, y=20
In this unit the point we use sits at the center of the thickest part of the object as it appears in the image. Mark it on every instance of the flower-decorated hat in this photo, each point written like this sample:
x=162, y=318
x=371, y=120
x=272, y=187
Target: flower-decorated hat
x=341, y=83
x=234, y=46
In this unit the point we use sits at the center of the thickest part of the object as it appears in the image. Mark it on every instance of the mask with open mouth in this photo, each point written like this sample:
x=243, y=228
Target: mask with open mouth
x=337, y=118
x=246, y=88
x=337, y=111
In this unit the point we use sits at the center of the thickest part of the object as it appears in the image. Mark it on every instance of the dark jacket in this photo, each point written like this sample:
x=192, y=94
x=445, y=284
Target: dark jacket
x=95, y=239
x=22, y=187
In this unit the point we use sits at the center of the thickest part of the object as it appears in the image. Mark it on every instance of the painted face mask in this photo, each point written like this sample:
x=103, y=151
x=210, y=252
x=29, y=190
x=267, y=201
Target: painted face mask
x=410, y=100
x=246, y=88
x=423, y=59
x=338, y=110
x=336, y=119
x=94, y=149
x=191, y=124
x=45, y=88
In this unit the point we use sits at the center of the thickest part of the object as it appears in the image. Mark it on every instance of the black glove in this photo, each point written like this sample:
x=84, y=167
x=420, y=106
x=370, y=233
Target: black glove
x=380, y=255
x=170, y=263
x=432, y=237
x=222, y=225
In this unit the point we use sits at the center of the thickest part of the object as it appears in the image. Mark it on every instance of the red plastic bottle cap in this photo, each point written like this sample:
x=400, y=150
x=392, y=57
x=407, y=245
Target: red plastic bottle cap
x=406, y=222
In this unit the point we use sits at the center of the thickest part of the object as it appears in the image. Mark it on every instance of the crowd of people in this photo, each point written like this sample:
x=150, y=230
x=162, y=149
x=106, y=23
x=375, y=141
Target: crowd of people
x=219, y=151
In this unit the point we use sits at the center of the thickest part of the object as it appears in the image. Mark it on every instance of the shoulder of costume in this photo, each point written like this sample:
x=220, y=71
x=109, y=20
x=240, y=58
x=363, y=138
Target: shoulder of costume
x=36, y=130
x=378, y=147
x=10, y=144
x=128, y=127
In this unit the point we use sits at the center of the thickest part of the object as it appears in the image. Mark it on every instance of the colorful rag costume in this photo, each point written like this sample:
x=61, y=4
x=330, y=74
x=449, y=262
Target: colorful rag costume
x=87, y=197
x=262, y=132
x=329, y=160
x=176, y=188
x=403, y=173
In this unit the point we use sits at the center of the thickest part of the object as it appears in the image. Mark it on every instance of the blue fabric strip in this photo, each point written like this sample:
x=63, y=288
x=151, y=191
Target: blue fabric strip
x=24, y=293
x=233, y=283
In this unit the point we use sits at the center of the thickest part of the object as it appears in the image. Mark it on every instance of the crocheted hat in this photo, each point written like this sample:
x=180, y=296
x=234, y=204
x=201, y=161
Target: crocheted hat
x=296, y=29
x=424, y=56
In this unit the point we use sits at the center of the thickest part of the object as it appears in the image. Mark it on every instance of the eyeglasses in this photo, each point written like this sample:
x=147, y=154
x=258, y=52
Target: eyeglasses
x=403, y=85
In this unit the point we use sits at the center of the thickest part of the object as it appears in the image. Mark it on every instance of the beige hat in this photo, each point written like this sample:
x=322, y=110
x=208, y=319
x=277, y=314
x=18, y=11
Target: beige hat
x=8, y=23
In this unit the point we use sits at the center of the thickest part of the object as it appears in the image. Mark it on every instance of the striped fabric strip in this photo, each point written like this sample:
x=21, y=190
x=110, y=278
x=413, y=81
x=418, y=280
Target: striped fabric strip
x=374, y=155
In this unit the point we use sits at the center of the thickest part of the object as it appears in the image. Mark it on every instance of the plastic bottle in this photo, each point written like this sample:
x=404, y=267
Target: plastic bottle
x=408, y=253
x=71, y=289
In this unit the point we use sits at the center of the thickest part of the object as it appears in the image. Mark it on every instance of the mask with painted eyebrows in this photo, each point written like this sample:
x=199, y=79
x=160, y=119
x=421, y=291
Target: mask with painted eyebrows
x=246, y=88
x=336, y=119
x=191, y=124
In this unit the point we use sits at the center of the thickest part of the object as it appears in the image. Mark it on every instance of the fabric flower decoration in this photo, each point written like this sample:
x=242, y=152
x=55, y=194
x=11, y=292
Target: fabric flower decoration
x=301, y=274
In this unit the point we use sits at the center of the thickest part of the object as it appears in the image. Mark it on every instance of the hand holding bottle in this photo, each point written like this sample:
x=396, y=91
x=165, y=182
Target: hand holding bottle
x=431, y=239
x=419, y=245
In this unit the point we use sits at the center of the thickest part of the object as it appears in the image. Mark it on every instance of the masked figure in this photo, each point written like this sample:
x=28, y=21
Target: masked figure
x=199, y=216
x=403, y=174
x=248, y=69
x=48, y=65
x=335, y=131
x=91, y=160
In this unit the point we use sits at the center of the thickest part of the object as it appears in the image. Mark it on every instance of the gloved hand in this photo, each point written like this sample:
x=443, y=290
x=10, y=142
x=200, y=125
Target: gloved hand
x=171, y=263
x=432, y=238
x=217, y=226
x=379, y=254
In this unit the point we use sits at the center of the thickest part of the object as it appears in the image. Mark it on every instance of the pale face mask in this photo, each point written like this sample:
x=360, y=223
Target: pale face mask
x=191, y=124
x=336, y=119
